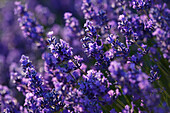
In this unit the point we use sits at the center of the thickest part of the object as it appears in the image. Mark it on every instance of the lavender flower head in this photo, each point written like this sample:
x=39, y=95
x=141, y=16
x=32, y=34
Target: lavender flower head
x=31, y=28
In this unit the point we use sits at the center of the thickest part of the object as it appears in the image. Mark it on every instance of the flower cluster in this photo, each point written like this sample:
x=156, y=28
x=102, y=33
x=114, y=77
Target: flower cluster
x=8, y=102
x=30, y=27
x=112, y=57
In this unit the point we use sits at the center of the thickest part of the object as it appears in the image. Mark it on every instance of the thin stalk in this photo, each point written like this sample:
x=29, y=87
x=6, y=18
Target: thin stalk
x=78, y=67
x=72, y=76
x=166, y=93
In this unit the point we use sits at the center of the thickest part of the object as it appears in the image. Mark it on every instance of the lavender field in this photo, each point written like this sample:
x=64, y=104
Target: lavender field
x=85, y=56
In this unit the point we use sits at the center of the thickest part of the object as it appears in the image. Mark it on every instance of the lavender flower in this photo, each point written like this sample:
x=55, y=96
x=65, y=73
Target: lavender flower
x=30, y=27
x=133, y=82
x=141, y=4
x=126, y=45
x=44, y=15
x=8, y=103
x=74, y=32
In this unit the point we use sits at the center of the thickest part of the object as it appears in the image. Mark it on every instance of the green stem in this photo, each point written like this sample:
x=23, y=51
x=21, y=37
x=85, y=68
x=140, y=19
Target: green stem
x=152, y=59
x=120, y=102
x=125, y=97
x=73, y=76
x=163, y=66
x=166, y=93
x=78, y=67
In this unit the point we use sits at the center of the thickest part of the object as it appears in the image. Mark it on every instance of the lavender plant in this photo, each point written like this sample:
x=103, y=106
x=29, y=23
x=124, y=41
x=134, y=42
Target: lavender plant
x=113, y=57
